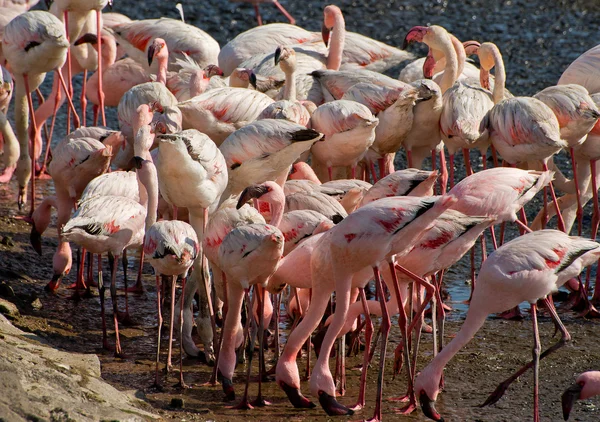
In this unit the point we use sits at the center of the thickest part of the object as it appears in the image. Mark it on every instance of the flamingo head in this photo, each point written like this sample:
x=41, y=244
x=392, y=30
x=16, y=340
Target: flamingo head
x=285, y=57
x=61, y=265
x=586, y=386
x=331, y=14
x=213, y=70
x=88, y=38
x=415, y=34
x=269, y=192
x=471, y=47
x=158, y=49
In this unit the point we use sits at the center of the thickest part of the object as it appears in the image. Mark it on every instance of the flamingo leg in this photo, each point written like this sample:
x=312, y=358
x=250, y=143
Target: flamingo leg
x=368, y=336
x=308, y=345
x=260, y=297
x=160, y=323
x=171, y=322
x=595, y=221
x=382, y=168
x=244, y=404
x=181, y=381
x=100, y=89
x=82, y=98
x=340, y=366
x=579, y=215
x=67, y=92
x=451, y=171
x=373, y=172
x=32, y=141
x=76, y=120
x=444, y=172
x=213, y=378
x=207, y=291
x=113, y=294
x=285, y=12
x=561, y=222
x=139, y=286
x=494, y=156
x=467, y=158
x=409, y=158
x=385, y=329
x=257, y=12
x=564, y=339
x=537, y=348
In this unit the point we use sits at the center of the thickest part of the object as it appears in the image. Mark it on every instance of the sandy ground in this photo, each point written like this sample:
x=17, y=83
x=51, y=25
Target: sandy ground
x=538, y=41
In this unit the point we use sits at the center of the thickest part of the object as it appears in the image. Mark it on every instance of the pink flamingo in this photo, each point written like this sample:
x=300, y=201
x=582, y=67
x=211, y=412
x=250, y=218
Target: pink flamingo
x=33, y=43
x=379, y=230
x=586, y=385
x=584, y=71
x=528, y=268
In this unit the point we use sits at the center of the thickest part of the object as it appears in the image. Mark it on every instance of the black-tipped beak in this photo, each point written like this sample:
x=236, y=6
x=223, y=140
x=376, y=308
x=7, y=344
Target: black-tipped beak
x=416, y=33
x=295, y=397
x=254, y=191
x=87, y=38
x=228, y=389
x=568, y=398
x=53, y=285
x=36, y=240
x=428, y=407
x=277, y=56
x=253, y=79
x=325, y=32
x=137, y=162
x=151, y=52
x=331, y=406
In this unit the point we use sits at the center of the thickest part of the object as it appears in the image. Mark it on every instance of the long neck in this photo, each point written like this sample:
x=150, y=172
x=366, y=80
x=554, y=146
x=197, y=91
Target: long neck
x=276, y=212
x=289, y=92
x=451, y=69
x=149, y=178
x=163, y=62
x=472, y=324
x=198, y=83
x=336, y=49
x=109, y=53
x=499, y=77
x=461, y=56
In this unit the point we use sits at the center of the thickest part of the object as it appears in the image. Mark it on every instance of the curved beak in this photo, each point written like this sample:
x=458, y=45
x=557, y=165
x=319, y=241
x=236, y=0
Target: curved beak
x=53, y=285
x=151, y=52
x=568, y=398
x=87, y=38
x=295, y=397
x=415, y=34
x=253, y=79
x=36, y=240
x=428, y=66
x=325, y=32
x=428, y=407
x=331, y=406
x=254, y=191
x=277, y=56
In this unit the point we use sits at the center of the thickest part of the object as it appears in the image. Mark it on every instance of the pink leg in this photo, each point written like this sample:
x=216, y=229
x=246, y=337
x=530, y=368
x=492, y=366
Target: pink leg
x=537, y=349
x=160, y=323
x=330, y=172
x=82, y=99
x=69, y=100
x=579, y=215
x=382, y=168
x=368, y=336
x=494, y=156
x=409, y=158
x=32, y=141
x=113, y=294
x=181, y=381
x=285, y=12
x=258, y=17
x=100, y=89
x=451, y=171
x=261, y=297
x=444, y=170
x=101, y=290
x=173, y=286
x=561, y=222
x=467, y=158
x=373, y=172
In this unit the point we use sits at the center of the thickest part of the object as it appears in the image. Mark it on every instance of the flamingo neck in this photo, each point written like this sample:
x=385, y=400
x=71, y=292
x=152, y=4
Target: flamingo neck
x=499, y=77
x=277, y=212
x=198, y=83
x=336, y=48
x=148, y=176
x=109, y=53
x=474, y=321
x=451, y=69
x=289, y=90
x=163, y=62
x=461, y=56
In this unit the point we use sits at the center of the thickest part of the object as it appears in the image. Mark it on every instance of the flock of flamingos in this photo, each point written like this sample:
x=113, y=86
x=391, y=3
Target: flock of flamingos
x=213, y=143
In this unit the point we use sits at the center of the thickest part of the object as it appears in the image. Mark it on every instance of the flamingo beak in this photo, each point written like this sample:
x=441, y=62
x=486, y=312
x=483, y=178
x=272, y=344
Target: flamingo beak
x=295, y=397
x=151, y=53
x=415, y=34
x=253, y=79
x=254, y=191
x=52, y=286
x=325, y=32
x=428, y=407
x=569, y=397
x=428, y=66
x=277, y=56
x=87, y=38
x=228, y=389
x=331, y=406
x=36, y=240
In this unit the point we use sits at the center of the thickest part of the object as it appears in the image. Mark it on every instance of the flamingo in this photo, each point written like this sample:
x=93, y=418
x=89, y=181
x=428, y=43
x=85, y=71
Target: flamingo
x=316, y=201
x=408, y=182
x=349, y=129
x=193, y=156
x=378, y=230
x=584, y=71
x=33, y=43
x=586, y=385
x=181, y=38
x=255, y=3
x=528, y=268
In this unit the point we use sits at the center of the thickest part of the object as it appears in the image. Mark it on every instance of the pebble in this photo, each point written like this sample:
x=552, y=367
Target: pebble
x=9, y=309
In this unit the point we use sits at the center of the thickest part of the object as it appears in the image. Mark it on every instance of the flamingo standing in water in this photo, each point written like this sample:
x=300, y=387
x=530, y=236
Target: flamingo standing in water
x=528, y=268
x=33, y=43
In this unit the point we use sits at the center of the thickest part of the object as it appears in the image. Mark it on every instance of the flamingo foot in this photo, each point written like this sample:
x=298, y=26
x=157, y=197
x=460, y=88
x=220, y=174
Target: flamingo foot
x=400, y=399
x=260, y=402
x=182, y=386
x=332, y=407
x=42, y=175
x=406, y=410
x=7, y=175
x=513, y=314
x=243, y=405
x=357, y=407
x=427, y=328
x=295, y=397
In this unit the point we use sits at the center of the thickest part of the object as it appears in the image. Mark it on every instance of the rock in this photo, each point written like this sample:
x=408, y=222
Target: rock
x=7, y=241
x=41, y=383
x=6, y=290
x=9, y=309
x=37, y=304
